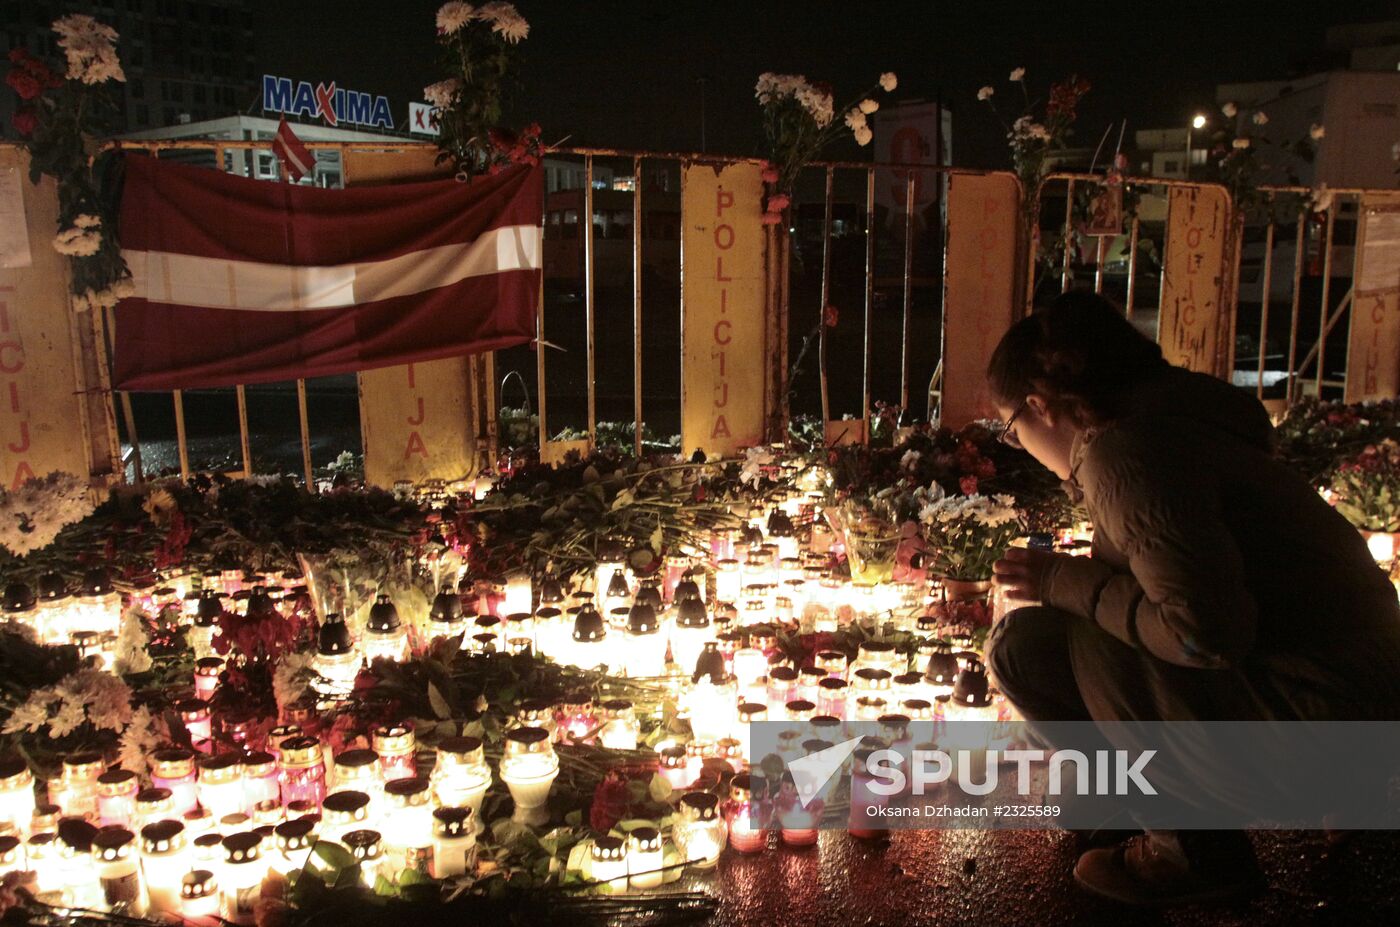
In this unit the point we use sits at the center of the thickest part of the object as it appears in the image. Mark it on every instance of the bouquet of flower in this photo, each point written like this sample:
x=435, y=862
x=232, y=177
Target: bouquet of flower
x=479, y=47
x=32, y=515
x=59, y=118
x=1366, y=489
x=967, y=534
x=799, y=120
x=1315, y=438
x=1033, y=137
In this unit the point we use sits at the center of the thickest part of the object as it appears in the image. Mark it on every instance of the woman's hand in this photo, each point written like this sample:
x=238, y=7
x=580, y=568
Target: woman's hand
x=1021, y=572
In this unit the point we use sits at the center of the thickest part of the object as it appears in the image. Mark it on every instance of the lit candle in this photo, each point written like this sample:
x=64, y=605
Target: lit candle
x=343, y=812
x=397, y=749
x=454, y=842
x=293, y=840
x=358, y=770
x=243, y=873
x=865, y=802
x=118, y=870
x=644, y=858
x=797, y=813
x=302, y=776
x=620, y=730
x=645, y=644
x=385, y=636
x=260, y=779
x=206, y=677
x=221, y=785
x=460, y=776
x=194, y=713
x=746, y=814
x=367, y=847
x=78, y=785
x=700, y=832
x=408, y=829
x=609, y=855
x=116, y=797
x=691, y=631
x=164, y=863
x=16, y=794
x=529, y=767
x=673, y=766
x=200, y=898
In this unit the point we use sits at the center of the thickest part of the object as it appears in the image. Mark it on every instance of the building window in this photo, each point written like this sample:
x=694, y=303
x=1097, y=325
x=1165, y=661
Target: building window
x=138, y=89
x=1171, y=167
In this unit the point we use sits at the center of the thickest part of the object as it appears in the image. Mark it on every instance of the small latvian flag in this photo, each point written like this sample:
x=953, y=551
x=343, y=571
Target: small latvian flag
x=296, y=158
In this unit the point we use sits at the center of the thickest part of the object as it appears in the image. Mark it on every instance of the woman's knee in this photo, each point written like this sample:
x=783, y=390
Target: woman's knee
x=1022, y=643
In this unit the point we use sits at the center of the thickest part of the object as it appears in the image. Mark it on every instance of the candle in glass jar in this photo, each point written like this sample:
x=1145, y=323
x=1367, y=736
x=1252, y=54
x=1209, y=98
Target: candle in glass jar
x=194, y=712
x=220, y=785
x=200, y=898
x=700, y=832
x=206, y=677
x=260, y=779
x=460, y=776
x=16, y=794
x=175, y=770
x=454, y=842
x=609, y=856
x=116, y=797
x=408, y=828
x=243, y=873
x=119, y=870
x=644, y=858
x=746, y=814
x=164, y=863
x=397, y=749
x=303, y=772
x=358, y=770
x=77, y=788
x=11, y=854
x=343, y=812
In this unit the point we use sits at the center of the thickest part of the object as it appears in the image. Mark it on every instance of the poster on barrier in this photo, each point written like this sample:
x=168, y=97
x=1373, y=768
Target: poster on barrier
x=982, y=297
x=1373, y=351
x=415, y=419
x=40, y=388
x=722, y=308
x=1193, y=278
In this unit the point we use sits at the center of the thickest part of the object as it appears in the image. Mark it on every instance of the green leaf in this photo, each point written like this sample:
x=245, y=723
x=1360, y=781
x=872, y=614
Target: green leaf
x=439, y=704
x=660, y=788
x=384, y=888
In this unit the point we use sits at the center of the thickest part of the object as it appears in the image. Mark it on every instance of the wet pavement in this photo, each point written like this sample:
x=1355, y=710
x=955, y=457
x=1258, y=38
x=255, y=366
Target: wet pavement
x=985, y=877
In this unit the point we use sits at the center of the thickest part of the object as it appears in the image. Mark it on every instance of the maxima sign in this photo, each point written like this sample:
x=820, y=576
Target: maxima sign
x=334, y=104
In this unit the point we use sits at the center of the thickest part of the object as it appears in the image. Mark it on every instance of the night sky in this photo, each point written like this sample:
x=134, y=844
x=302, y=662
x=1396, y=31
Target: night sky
x=625, y=74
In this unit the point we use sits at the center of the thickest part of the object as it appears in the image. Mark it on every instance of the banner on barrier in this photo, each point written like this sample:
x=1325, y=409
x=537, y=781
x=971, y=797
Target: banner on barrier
x=1373, y=356
x=1193, y=279
x=981, y=293
x=723, y=314
x=415, y=419
x=43, y=424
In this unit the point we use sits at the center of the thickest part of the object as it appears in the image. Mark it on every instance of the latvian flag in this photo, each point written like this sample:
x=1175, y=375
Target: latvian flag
x=297, y=160
x=245, y=281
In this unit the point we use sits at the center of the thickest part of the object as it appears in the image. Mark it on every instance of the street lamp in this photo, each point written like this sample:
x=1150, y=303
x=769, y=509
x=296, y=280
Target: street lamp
x=1198, y=121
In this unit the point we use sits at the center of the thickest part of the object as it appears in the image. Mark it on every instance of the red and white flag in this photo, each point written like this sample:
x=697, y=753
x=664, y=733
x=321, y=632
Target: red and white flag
x=297, y=160
x=244, y=281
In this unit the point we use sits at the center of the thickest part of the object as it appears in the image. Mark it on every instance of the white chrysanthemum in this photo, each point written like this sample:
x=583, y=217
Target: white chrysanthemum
x=131, y=655
x=1317, y=132
x=888, y=81
x=910, y=460
x=986, y=92
x=505, y=20
x=85, y=220
x=854, y=119
x=1321, y=199
x=444, y=93
x=90, y=48
x=1229, y=109
x=77, y=242
x=32, y=515
x=818, y=105
x=32, y=713
x=142, y=736
x=451, y=17
x=1261, y=118
x=863, y=136
x=868, y=106
x=1018, y=74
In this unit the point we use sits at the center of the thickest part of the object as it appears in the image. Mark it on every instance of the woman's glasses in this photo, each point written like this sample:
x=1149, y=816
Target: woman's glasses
x=1004, y=434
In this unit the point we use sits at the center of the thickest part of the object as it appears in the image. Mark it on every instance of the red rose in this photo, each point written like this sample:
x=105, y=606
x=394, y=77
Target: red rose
x=25, y=122
x=609, y=803
x=23, y=83
x=968, y=485
x=830, y=316
x=985, y=469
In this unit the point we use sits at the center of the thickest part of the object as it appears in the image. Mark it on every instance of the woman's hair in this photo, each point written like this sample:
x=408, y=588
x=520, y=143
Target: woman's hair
x=1079, y=352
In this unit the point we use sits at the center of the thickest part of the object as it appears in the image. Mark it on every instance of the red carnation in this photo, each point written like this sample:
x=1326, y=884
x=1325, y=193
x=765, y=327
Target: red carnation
x=830, y=315
x=609, y=803
x=24, y=83
x=968, y=485
x=25, y=122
